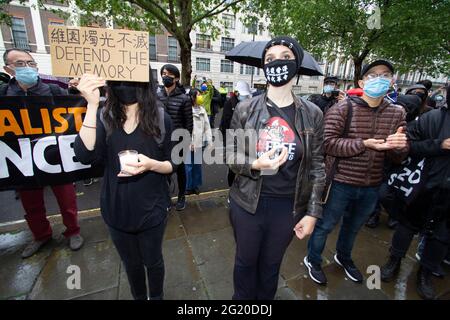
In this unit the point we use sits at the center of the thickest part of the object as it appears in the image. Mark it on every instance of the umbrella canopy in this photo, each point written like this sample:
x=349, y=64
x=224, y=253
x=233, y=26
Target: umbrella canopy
x=249, y=53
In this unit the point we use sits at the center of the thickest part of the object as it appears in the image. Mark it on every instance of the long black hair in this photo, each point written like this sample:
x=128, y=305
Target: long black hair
x=148, y=116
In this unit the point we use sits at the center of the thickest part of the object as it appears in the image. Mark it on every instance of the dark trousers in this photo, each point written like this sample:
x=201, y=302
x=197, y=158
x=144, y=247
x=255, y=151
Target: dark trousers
x=353, y=205
x=34, y=206
x=140, y=251
x=181, y=179
x=437, y=237
x=435, y=246
x=261, y=241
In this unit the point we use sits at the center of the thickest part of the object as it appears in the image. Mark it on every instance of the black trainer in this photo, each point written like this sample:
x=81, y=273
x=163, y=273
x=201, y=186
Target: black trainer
x=181, y=203
x=350, y=269
x=424, y=284
x=373, y=221
x=315, y=272
x=390, y=270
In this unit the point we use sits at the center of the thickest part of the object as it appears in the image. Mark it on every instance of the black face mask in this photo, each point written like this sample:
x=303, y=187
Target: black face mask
x=125, y=92
x=279, y=72
x=73, y=90
x=168, y=81
x=421, y=95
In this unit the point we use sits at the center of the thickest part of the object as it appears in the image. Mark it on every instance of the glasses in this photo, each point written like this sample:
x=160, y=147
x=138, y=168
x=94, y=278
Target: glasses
x=20, y=63
x=386, y=75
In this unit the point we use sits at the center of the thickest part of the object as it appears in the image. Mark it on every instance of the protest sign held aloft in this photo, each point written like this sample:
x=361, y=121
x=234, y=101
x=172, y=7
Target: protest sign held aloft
x=36, y=141
x=110, y=53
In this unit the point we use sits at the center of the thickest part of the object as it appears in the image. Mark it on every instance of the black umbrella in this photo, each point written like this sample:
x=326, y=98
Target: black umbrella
x=250, y=53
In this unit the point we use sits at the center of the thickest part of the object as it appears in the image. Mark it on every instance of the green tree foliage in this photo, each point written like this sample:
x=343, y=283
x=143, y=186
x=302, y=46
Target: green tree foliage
x=413, y=34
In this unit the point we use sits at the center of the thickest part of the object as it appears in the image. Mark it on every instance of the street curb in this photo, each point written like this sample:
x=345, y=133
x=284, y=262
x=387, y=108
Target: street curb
x=56, y=218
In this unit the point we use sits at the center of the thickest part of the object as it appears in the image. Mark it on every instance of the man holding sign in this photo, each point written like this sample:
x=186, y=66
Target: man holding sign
x=25, y=82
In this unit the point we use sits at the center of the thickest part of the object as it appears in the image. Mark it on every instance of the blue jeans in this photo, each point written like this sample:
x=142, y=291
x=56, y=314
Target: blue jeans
x=353, y=205
x=194, y=170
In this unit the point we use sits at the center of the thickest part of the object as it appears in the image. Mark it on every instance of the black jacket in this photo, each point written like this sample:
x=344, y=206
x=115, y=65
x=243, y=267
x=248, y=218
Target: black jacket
x=40, y=89
x=253, y=114
x=179, y=106
x=426, y=141
x=323, y=102
x=228, y=111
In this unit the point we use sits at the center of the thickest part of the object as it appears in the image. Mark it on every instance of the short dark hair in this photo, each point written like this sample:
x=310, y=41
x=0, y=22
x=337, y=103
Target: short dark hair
x=172, y=69
x=427, y=83
x=5, y=54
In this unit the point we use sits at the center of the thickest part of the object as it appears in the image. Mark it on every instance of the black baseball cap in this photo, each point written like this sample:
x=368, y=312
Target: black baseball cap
x=331, y=79
x=379, y=62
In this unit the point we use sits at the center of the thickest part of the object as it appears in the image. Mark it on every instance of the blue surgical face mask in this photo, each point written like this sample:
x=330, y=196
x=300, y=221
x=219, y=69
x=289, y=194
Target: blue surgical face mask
x=242, y=98
x=26, y=75
x=376, y=88
x=328, y=88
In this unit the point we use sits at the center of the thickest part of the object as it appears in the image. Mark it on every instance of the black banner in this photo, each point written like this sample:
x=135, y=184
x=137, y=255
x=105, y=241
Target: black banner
x=36, y=141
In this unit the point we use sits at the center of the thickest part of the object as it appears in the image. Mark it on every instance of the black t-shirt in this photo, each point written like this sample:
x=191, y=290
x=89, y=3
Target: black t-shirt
x=280, y=131
x=130, y=204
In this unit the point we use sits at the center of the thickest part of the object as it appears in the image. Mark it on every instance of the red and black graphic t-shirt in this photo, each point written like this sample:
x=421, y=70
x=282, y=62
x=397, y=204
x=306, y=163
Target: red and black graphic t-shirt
x=279, y=132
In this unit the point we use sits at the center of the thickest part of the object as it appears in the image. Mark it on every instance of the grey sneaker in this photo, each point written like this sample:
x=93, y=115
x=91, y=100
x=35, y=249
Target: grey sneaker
x=33, y=247
x=76, y=242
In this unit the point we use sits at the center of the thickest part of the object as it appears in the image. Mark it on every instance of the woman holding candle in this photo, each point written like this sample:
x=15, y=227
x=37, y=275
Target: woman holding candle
x=134, y=197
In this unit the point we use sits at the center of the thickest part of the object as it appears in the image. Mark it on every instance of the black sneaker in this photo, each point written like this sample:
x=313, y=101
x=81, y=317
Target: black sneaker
x=181, y=203
x=424, y=284
x=390, y=270
x=392, y=223
x=373, y=221
x=350, y=269
x=315, y=272
x=88, y=182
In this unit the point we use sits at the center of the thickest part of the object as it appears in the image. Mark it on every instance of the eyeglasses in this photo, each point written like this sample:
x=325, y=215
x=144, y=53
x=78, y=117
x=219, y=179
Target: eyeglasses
x=386, y=75
x=20, y=63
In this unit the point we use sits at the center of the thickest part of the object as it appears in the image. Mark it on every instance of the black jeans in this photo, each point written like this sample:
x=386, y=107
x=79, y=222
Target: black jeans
x=437, y=238
x=261, y=241
x=140, y=251
x=435, y=248
x=181, y=179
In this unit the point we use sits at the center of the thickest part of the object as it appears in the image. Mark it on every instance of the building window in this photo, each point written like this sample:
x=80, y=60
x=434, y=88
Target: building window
x=56, y=22
x=152, y=47
x=226, y=66
x=227, y=85
x=203, y=64
x=173, y=49
x=203, y=42
x=250, y=28
x=227, y=44
x=248, y=70
x=19, y=33
x=229, y=21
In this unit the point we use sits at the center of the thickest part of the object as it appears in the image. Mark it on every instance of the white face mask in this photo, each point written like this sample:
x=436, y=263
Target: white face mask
x=242, y=98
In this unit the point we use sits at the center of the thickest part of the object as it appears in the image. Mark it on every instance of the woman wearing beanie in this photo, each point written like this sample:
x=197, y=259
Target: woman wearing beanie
x=278, y=187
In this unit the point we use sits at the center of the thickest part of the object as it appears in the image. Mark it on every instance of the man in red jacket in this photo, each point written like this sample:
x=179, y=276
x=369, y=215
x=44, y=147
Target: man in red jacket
x=375, y=131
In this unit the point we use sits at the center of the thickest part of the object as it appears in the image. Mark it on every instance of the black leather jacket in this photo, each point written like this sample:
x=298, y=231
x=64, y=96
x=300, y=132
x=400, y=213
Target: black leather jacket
x=246, y=189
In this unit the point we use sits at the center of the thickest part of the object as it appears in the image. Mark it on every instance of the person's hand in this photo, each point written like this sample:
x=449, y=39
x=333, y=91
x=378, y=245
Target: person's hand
x=376, y=144
x=397, y=140
x=446, y=144
x=265, y=163
x=341, y=95
x=305, y=227
x=132, y=169
x=89, y=87
x=74, y=82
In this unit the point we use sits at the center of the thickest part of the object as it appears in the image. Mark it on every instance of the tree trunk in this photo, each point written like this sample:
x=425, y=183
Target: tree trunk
x=358, y=68
x=186, y=62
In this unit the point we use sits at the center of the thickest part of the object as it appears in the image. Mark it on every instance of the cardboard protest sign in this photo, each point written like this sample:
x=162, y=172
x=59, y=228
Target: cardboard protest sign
x=36, y=141
x=111, y=54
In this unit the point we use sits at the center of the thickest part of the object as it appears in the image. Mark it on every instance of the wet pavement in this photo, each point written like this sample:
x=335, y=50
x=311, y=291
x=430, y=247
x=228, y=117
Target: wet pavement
x=199, y=254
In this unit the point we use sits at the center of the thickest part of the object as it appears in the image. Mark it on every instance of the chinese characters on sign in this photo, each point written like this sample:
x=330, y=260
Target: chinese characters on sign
x=109, y=53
